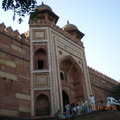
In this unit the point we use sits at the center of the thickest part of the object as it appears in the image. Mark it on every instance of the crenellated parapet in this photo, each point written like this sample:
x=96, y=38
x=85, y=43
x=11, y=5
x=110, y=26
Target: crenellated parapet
x=14, y=34
x=102, y=76
x=56, y=28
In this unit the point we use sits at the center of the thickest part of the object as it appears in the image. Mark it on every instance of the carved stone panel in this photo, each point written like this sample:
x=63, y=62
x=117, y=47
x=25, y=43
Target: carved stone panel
x=41, y=80
x=39, y=34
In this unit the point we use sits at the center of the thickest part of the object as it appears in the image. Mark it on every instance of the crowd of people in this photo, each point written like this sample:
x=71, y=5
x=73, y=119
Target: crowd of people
x=88, y=106
x=111, y=103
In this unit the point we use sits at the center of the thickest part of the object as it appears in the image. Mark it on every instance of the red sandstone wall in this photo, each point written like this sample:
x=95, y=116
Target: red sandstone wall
x=14, y=76
x=102, y=86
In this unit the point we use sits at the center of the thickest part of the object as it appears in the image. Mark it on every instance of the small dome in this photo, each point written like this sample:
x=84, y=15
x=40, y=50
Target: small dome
x=70, y=26
x=43, y=7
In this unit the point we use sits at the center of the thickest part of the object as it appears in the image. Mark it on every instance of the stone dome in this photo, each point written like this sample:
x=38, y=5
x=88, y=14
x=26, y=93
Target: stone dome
x=70, y=26
x=43, y=7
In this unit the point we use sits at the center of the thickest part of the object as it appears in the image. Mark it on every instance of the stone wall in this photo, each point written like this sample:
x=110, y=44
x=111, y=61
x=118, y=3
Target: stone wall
x=14, y=73
x=102, y=85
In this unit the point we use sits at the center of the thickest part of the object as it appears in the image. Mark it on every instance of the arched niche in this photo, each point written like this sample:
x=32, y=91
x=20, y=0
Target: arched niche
x=42, y=105
x=40, y=59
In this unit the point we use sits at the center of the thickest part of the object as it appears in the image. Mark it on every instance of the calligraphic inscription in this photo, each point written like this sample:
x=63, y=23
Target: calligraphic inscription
x=39, y=35
x=41, y=80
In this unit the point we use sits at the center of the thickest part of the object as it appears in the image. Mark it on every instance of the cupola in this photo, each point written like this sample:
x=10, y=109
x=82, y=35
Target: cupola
x=73, y=30
x=43, y=7
x=44, y=13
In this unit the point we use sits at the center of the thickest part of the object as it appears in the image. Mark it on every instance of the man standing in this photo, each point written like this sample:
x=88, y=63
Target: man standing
x=92, y=102
x=67, y=107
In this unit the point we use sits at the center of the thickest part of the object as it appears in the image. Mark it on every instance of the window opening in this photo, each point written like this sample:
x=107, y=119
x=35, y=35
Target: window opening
x=62, y=76
x=40, y=64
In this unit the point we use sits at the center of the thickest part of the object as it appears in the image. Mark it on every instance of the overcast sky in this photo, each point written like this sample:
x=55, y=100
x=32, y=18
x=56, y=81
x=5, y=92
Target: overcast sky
x=99, y=20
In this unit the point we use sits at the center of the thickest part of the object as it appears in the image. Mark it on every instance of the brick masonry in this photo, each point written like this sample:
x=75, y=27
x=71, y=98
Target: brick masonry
x=14, y=75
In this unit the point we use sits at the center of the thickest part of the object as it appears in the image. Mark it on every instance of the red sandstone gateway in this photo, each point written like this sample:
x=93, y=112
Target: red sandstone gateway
x=45, y=68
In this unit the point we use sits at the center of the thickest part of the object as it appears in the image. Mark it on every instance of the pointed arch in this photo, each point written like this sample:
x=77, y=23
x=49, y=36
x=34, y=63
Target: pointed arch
x=75, y=77
x=72, y=60
x=42, y=105
x=40, y=59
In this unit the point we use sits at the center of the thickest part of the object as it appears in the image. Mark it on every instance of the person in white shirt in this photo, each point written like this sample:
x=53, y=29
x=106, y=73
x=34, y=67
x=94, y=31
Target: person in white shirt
x=111, y=99
x=67, y=107
x=92, y=102
x=109, y=103
x=74, y=109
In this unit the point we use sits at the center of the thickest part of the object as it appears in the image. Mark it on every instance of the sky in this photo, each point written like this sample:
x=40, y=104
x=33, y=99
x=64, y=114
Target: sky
x=99, y=20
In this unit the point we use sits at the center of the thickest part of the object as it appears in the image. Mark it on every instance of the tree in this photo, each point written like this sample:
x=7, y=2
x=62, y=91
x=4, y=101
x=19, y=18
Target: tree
x=117, y=90
x=19, y=7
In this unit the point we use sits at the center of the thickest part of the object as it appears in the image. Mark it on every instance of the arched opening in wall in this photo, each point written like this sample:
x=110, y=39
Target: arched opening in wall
x=40, y=64
x=42, y=105
x=74, y=81
x=65, y=99
x=62, y=75
x=40, y=59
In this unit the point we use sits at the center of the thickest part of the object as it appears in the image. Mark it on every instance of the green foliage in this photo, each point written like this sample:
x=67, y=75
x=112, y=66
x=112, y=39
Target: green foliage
x=117, y=90
x=19, y=7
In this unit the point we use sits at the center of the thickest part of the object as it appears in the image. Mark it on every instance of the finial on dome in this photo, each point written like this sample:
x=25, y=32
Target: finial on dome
x=68, y=22
x=42, y=3
x=43, y=7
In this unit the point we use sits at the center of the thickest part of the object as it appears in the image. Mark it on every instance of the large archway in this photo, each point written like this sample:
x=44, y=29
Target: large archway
x=73, y=82
x=42, y=105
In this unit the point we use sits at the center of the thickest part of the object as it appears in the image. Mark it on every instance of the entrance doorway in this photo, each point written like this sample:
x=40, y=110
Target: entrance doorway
x=42, y=105
x=65, y=100
x=73, y=78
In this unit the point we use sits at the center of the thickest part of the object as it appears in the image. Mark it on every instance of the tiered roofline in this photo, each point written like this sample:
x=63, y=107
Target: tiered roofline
x=24, y=37
x=57, y=28
x=103, y=76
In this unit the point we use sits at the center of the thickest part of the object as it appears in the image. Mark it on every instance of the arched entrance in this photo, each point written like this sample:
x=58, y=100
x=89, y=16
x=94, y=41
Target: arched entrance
x=42, y=105
x=65, y=99
x=73, y=79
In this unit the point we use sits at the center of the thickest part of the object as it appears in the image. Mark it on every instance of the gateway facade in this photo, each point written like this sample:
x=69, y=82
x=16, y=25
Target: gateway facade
x=45, y=68
x=58, y=64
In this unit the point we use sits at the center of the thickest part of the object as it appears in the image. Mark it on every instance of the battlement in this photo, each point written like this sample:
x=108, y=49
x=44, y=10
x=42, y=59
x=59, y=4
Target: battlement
x=102, y=76
x=24, y=37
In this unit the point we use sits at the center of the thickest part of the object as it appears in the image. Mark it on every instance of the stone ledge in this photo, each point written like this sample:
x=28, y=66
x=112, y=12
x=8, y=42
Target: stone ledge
x=97, y=115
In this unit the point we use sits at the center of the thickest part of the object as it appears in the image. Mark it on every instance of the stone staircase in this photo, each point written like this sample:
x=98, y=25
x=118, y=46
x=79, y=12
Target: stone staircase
x=100, y=115
x=97, y=115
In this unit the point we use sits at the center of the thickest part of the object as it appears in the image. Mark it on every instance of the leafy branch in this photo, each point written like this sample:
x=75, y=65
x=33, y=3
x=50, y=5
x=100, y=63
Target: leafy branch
x=19, y=7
